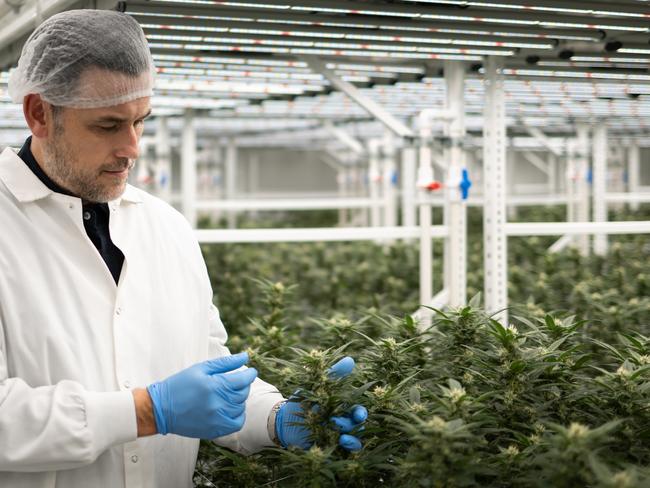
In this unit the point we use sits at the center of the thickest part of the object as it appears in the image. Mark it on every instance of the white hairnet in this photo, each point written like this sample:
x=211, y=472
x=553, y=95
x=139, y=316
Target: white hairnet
x=85, y=59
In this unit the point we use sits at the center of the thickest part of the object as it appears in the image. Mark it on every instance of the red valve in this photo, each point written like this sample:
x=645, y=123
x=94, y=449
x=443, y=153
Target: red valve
x=434, y=185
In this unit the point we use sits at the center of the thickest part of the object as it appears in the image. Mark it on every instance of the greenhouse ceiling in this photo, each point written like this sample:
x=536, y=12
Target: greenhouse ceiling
x=239, y=63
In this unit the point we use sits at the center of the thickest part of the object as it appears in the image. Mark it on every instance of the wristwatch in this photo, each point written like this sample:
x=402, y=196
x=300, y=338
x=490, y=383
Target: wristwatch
x=270, y=424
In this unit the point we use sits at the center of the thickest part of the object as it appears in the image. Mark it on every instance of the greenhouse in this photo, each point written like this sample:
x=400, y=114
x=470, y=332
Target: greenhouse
x=313, y=244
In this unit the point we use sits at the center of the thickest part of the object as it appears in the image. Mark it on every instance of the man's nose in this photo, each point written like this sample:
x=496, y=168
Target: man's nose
x=129, y=147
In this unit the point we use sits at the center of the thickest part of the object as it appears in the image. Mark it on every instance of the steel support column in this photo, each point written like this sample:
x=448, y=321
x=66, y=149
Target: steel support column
x=600, y=185
x=231, y=178
x=342, y=184
x=494, y=171
x=633, y=167
x=253, y=177
x=552, y=173
x=163, y=171
x=389, y=169
x=571, y=179
x=188, y=167
x=455, y=279
x=425, y=175
x=374, y=182
x=583, y=205
x=407, y=177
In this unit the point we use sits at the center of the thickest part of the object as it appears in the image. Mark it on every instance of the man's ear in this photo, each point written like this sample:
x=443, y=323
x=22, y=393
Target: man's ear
x=38, y=114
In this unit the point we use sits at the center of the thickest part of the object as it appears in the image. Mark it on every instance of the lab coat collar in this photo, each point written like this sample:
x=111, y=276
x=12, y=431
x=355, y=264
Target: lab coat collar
x=25, y=186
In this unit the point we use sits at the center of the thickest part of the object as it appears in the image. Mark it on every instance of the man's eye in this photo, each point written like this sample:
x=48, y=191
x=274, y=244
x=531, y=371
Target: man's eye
x=109, y=128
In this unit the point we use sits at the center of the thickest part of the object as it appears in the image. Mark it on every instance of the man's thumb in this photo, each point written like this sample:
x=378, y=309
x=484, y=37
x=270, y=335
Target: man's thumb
x=224, y=364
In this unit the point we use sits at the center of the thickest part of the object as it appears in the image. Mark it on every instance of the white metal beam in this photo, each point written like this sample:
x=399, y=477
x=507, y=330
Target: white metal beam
x=234, y=205
x=561, y=244
x=495, y=243
x=439, y=160
x=576, y=228
x=332, y=160
x=542, y=138
x=315, y=234
x=372, y=107
x=631, y=198
x=536, y=161
x=343, y=136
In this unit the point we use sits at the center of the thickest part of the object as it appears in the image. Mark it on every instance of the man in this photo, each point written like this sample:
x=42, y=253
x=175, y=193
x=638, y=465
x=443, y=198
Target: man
x=108, y=334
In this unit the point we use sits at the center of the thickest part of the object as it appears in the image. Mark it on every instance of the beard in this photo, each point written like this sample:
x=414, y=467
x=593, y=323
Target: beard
x=88, y=183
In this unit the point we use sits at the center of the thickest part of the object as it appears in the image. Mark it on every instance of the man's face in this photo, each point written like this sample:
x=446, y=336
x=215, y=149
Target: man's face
x=91, y=151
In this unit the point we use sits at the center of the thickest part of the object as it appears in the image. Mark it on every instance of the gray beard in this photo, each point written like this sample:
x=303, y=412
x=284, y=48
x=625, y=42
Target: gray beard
x=86, y=185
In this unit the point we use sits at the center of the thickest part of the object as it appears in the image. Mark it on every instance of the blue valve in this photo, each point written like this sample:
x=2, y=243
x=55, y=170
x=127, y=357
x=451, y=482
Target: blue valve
x=590, y=176
x=465, y=184
x=394, y=178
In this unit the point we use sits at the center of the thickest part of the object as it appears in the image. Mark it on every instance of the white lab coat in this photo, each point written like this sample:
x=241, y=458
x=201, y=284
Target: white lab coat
x=73, y=344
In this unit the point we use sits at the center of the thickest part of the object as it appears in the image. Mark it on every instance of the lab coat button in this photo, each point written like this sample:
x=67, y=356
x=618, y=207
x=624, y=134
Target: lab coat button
x=134, y=459
x=118, y=311
x=127, y=384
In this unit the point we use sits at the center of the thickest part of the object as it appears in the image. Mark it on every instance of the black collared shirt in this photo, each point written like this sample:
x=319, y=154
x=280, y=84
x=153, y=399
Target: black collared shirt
x=95, y=216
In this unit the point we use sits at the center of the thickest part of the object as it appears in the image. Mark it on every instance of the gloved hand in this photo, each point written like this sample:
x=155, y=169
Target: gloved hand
x=204, y=401
x=289, y=419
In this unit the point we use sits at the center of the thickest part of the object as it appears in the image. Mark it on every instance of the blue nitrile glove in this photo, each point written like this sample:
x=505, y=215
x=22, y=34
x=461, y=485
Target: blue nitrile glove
x=204, y=401
x=290, y=434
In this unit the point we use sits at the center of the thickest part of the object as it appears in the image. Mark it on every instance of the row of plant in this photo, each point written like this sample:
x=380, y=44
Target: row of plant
x=466, y=402
x=555, y=399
